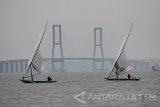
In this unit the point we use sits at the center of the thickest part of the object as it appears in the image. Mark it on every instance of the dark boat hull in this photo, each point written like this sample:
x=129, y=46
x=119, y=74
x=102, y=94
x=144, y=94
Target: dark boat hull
x=122, y=79
x=28, y=81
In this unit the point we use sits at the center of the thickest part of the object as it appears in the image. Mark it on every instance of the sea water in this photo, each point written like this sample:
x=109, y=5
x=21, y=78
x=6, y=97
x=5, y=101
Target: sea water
x=80, y=89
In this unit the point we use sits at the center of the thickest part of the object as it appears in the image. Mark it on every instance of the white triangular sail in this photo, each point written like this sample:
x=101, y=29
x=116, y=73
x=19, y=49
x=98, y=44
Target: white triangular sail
x=36, y=63
x=120, y=65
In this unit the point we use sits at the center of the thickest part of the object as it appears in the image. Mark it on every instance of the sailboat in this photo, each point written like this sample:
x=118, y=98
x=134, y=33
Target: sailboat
x=36, y=64
x=120, y=65
x=155, y=66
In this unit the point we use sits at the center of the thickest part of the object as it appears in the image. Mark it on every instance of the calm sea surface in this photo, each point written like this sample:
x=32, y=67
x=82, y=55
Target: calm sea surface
x=93, y=91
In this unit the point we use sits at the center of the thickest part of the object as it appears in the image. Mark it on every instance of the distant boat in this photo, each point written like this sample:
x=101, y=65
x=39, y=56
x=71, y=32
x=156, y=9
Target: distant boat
x=36, y=64
x=155, y=66
x=120, y=65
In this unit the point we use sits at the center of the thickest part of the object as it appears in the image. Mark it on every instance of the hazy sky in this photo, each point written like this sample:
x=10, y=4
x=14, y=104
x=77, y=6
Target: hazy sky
x=21, y=22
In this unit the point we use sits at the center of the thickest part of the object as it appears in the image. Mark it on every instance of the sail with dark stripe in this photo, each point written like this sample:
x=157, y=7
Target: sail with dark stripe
x=120, y=65
x=36, y=63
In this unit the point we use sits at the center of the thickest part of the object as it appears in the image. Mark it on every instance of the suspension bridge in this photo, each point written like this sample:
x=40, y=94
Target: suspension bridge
x=96, y=63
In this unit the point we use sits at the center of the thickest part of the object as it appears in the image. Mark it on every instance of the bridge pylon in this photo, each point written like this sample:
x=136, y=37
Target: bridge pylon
x=98, y=45
x=57, y=42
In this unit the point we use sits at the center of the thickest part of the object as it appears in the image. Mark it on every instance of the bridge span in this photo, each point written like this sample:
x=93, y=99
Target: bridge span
x=19, y=65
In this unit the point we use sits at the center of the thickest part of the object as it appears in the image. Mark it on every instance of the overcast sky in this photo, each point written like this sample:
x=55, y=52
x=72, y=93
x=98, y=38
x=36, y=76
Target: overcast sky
x=21, y=22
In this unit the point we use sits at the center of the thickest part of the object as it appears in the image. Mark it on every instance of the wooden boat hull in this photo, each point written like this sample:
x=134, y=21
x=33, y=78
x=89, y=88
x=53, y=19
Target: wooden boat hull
x=28, y=81
x=122, y=79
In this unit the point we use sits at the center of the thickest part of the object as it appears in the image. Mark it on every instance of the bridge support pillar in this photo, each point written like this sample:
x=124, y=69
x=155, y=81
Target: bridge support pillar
x=1, y=67
x=98, y=45
x=57, y=42
x=11, y=67
x=6, y=67
x=21, y=66
x=16, y=66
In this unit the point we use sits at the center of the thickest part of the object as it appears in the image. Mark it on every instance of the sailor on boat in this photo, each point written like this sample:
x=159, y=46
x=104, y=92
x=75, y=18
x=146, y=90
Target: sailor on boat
x=129, y=76
x=49, y=78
